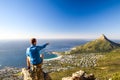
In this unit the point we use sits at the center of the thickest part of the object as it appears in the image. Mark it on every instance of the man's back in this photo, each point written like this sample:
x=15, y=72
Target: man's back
x=33, y=53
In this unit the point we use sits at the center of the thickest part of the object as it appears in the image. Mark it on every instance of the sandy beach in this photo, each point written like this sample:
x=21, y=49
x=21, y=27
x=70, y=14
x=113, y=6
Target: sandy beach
x=56, y=58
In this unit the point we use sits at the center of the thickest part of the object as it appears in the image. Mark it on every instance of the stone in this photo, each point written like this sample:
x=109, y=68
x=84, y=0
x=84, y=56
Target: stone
x=67, y=78
x=35, y=73
x=80, y=75
x=91, y=77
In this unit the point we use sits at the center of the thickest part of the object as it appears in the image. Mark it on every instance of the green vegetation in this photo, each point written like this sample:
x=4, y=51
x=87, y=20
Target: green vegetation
x=108, y=67
x=99, y=45
x=116, y=50
x=59, y=75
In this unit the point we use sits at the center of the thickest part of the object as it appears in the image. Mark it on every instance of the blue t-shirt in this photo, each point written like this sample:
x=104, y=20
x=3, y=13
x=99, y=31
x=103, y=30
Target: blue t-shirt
x=34, y=53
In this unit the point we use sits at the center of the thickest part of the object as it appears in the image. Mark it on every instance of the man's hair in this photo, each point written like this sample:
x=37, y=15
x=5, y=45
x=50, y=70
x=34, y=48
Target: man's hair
x=33, y=40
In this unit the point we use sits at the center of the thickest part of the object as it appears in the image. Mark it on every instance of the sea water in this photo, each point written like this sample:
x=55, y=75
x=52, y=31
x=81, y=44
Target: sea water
x=12, y=52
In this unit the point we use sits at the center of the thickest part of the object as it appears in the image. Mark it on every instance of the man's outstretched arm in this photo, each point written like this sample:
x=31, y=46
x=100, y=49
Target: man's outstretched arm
x=43, y=46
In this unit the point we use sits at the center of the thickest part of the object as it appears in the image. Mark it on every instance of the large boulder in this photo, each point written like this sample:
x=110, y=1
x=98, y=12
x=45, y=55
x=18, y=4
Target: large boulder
x=80, y=75
x=34, y=75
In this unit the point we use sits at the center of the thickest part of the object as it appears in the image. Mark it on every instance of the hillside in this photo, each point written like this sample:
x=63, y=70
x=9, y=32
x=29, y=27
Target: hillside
x=107, y=68
x=102, y=44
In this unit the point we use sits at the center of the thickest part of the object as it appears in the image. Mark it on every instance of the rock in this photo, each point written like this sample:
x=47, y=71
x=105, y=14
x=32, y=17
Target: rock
x=34, y=75
x=80, y=75
x=26, y=74
x=67, y=78
x=91, y=77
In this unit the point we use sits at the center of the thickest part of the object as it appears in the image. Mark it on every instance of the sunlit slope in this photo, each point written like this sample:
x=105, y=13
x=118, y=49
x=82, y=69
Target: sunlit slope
x=102, y=44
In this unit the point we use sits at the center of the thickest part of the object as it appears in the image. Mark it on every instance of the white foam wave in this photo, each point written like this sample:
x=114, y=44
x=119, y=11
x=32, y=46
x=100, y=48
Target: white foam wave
x=56, y=58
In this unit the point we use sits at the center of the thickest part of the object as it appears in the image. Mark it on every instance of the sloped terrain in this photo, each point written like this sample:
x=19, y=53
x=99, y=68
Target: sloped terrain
x=102, y=44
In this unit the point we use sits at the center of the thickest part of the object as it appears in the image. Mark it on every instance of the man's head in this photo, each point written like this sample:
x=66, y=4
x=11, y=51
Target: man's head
x=33, y=41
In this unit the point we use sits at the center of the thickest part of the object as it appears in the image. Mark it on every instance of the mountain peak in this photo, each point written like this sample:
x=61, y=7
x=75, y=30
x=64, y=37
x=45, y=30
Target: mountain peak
x=103, y=37
x=102, y=44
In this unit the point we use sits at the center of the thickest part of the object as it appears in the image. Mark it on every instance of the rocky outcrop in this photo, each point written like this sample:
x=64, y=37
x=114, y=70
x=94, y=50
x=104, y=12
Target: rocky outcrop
x=80, y=75
x=29, y=75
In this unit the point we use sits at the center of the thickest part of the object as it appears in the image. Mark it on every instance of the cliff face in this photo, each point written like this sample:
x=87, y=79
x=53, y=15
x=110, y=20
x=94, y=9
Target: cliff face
x=102, y=44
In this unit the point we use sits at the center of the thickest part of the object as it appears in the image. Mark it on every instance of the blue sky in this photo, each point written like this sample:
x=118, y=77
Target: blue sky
x=83, y=19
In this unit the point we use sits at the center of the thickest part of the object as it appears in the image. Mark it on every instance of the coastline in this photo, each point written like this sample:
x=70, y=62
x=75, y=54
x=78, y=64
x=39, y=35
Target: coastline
x=55, y=58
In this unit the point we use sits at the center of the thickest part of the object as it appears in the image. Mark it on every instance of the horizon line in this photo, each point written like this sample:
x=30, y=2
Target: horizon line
x=54, y=38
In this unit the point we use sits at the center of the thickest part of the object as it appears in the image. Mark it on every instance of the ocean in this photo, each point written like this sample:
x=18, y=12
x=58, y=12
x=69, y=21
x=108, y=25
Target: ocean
x=12, y=52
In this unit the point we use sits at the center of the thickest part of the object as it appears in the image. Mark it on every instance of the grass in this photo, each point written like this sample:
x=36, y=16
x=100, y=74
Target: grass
x=61, y=74
x=108, y=68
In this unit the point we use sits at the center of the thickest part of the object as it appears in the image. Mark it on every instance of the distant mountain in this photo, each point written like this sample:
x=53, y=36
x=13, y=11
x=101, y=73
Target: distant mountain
x=102, y=44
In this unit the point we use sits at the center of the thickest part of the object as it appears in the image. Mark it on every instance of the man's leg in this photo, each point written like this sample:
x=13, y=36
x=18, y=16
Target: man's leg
x=28, y=62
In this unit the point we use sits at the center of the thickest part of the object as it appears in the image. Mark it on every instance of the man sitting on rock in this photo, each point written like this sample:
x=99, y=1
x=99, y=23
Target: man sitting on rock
x=35, y=58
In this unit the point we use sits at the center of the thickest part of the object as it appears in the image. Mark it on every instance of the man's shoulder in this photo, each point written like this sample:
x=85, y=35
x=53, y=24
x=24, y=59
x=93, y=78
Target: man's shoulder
x=28, y=48
x=38, y=46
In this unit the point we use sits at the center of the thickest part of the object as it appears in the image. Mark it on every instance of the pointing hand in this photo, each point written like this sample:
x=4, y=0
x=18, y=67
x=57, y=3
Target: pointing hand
x=47, y=43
